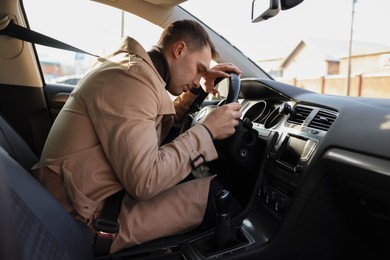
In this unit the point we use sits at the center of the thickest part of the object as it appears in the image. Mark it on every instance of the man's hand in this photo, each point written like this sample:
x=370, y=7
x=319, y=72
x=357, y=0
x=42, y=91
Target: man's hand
x=223, y=120
x=218, y=71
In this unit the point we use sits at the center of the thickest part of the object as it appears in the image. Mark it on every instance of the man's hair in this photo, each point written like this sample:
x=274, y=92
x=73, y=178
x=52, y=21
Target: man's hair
x=189, y=31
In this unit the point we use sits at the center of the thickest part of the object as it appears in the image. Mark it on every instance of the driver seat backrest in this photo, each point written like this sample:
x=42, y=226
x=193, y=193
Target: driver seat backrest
x=15, y=146
x=33, y=224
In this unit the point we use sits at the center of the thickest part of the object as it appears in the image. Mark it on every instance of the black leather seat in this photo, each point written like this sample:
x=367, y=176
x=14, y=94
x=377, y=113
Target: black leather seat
x=33, y=224
x=15, y=146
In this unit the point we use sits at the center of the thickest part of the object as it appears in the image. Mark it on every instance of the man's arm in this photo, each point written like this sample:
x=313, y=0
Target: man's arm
x=182, y=103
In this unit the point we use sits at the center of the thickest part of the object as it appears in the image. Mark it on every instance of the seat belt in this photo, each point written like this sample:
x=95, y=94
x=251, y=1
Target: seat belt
x=107, y=225
x=9, y=28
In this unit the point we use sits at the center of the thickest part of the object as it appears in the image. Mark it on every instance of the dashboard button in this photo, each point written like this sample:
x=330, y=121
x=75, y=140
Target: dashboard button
x=281, y=204
x=271, y=197
x=298, y=169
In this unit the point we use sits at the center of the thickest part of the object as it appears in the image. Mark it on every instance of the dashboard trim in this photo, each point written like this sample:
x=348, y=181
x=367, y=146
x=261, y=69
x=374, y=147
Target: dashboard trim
x=362, y=161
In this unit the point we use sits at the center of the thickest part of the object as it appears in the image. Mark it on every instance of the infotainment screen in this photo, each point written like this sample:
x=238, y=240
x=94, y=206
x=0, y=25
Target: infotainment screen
x=293, y=150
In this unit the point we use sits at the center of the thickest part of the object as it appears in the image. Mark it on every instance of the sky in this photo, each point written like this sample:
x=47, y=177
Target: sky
x=273, y=38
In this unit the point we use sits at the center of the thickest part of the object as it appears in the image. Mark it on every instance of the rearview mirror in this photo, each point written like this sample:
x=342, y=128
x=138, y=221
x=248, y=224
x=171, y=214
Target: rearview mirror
x=264, y=9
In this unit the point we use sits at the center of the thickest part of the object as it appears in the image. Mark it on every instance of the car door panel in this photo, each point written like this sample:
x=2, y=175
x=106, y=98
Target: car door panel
x=56, y=95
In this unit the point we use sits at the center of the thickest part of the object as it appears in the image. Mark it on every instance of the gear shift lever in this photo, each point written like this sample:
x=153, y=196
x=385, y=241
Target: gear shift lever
x=226, y=236
x=223, y=230
x=222, y=201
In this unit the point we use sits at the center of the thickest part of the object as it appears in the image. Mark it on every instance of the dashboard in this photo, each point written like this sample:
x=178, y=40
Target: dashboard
x=322, y=181
x=299, y=130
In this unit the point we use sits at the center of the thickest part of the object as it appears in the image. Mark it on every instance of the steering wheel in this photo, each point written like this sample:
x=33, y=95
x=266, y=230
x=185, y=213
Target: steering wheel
x=234, y=88
x=240, y=148
x=233, y=93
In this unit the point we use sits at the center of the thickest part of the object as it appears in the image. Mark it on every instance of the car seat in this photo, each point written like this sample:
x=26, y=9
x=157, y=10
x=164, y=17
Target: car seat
x=15, y=146
x=33, y=224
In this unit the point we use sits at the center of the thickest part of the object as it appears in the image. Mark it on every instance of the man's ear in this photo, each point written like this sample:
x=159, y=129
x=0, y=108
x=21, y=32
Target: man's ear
x=179, y=48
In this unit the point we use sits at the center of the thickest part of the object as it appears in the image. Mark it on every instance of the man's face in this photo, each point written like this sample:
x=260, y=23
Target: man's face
x=187, y=67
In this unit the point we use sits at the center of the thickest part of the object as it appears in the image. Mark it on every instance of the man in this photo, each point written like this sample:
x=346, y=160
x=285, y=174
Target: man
x=108, y=137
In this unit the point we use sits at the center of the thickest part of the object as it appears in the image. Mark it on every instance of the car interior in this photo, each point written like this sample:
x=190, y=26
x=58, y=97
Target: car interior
x=312, y=171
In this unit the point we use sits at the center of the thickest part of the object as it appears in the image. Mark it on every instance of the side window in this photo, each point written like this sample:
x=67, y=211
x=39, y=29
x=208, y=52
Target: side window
x=86, y=25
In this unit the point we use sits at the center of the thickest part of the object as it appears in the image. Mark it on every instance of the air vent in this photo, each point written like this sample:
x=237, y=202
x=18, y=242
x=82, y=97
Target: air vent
x=322, y=120
x=299, y=115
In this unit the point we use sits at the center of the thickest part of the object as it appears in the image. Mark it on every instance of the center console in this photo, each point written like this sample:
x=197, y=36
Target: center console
x=287, y=161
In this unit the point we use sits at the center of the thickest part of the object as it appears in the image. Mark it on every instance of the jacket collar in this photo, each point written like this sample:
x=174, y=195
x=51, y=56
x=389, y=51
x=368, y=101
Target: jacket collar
x=160, y=62
x=130, y=45
x=154, y=57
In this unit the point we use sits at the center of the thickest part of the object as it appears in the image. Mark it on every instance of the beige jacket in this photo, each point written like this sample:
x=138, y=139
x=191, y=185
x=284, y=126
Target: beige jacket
x=107, y=137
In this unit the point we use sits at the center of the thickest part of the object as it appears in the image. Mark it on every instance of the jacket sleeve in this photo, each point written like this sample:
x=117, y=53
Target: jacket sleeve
x=182, y=103
x=124, y=113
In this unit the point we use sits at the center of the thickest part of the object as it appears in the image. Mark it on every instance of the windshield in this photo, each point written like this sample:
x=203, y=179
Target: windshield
x=332, y=47
x=312, y=19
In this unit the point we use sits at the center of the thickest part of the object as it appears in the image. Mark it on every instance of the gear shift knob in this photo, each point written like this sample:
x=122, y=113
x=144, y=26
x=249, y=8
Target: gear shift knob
x=222, y=201
x=226, y=235
x=223, y=232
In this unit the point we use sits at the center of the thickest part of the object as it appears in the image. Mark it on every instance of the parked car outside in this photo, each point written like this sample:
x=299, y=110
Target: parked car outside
x=68, y=79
